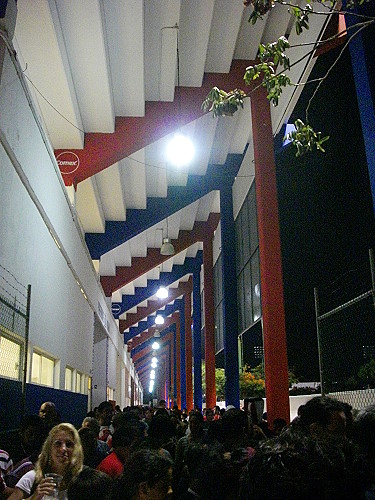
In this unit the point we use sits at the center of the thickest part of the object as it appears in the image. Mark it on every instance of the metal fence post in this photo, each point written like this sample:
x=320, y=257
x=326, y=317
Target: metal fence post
x=372, y=268
x=316, y=299
x=27, y=326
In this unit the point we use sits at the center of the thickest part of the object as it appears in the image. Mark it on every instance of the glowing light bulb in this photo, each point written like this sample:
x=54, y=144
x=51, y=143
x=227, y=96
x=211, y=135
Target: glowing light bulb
x=162, y=293
x=180, y=150
x=159, y=320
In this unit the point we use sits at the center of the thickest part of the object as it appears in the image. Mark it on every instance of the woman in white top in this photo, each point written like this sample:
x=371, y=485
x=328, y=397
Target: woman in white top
x=61, y=454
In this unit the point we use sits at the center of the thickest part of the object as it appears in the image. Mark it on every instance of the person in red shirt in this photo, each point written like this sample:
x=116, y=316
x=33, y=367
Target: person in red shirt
x=123, y=440
x=217, y=414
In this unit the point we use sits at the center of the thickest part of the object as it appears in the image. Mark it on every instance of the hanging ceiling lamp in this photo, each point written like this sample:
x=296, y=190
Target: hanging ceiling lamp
x=180, y=149
x=167, y=248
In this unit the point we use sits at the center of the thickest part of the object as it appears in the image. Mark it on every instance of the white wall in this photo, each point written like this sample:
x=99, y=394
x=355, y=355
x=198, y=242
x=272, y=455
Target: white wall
x=112, y=368
x=99, y=368
x=35, y=212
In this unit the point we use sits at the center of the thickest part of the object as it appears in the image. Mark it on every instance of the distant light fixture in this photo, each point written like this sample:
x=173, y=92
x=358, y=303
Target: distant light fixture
x=167, y=248
x=159, y=320
x=151, y=386
x=180, y=150
x=153, y=364
x=156, y=333
x=154, y=359
x=152, y=374
x=162, y=293
x=155, y=346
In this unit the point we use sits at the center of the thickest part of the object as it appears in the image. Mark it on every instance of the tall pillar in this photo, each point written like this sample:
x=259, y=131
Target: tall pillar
x=166, y=376
x=162, y=382
x=209, y=321
x=182, y=352
x=197, y=327
x=174, y=368
x=230, y=315
x=171, y=372
x=188, y=346
x=178, y=361
x=271, y=279
x=361, y=51
x=132, y=392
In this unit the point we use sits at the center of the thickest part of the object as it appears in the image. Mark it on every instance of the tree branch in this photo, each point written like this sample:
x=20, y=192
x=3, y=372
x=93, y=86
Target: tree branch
x=330, y=69
x=331, y=11
x=315, y=45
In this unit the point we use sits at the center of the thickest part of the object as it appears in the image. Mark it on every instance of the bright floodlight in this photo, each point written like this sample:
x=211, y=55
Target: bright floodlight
x=162, y=293
x=180, y=150
x=159, y=320
x=152, y=374
x=154, y=364
x=154, y=360
x=155, y=346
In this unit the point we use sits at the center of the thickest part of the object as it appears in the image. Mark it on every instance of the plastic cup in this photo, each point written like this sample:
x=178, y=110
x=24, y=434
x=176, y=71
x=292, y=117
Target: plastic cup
x=56, y=479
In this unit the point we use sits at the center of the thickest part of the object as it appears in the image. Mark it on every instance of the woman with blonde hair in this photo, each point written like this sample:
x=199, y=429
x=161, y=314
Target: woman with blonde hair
x=61, y=456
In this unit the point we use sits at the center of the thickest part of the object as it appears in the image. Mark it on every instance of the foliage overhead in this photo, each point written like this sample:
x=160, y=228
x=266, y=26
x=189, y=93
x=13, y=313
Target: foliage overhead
x=223, y=103
x=305, y=138
x=274, y=61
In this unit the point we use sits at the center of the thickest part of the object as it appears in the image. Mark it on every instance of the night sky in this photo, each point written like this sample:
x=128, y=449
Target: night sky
x=326, y=211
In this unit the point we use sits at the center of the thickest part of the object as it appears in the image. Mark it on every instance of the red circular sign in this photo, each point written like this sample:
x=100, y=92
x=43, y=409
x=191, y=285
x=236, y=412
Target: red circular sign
x=68, y=162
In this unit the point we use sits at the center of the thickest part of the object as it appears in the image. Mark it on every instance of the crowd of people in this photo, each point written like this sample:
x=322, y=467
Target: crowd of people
x=140, y=452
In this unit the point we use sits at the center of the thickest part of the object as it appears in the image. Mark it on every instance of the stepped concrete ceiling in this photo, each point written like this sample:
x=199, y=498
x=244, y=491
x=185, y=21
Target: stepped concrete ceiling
x=104, y=75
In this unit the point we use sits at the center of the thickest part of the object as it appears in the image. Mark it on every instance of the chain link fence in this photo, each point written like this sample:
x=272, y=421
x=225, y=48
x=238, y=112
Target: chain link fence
x=14, y=326
x=345, y=316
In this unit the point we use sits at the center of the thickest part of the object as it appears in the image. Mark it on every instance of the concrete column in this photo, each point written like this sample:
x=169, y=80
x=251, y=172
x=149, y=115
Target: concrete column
x=171, y=371
x=197, y=327
x=272, y=291
x=188, y=347
x=362, y=54
x=178, y=361
x=183, y=353
x=209, y=320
